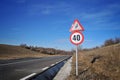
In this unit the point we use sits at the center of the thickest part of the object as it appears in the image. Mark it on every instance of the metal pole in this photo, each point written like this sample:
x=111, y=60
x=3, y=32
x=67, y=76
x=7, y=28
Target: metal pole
x=76, y=60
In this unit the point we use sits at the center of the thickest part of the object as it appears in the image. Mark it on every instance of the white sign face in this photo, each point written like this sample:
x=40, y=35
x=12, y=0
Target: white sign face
x=76, y=26
x=76, y=38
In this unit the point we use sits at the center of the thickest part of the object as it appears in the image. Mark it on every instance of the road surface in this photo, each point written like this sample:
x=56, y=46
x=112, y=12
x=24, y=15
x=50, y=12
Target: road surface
x=23, y=68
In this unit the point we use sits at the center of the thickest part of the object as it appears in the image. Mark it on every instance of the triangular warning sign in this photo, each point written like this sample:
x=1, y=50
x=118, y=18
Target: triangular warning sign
x=76, y=26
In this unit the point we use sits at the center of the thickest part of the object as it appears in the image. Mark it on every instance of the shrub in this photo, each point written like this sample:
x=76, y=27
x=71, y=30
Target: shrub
x=111, y=41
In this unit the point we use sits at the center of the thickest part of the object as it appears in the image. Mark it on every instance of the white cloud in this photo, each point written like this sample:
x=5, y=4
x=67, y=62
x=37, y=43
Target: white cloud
x=45, y=9
x=103, y=19
x=93, y=16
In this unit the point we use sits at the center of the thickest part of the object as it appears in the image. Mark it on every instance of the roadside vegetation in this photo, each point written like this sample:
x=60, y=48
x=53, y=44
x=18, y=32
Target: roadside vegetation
x=23, y=51
x=49, y=51
x=100, y=63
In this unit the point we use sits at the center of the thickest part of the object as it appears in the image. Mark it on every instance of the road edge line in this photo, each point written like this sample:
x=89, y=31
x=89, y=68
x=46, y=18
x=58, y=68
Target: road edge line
x=44, y=68
x=26, y=77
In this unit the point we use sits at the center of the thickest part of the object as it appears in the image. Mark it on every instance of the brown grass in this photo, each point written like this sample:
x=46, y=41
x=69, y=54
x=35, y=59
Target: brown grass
x=105, y=67
x=13, y=52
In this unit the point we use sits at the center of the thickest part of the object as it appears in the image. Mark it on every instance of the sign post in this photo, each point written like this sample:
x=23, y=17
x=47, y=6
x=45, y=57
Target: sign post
x=76, y=38
x=76, y=60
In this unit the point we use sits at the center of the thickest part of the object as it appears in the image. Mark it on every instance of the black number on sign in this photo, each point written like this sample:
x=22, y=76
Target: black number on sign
x=76, y=37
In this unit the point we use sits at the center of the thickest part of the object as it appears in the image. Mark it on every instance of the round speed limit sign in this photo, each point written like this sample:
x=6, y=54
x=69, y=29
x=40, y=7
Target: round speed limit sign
x=76, y=38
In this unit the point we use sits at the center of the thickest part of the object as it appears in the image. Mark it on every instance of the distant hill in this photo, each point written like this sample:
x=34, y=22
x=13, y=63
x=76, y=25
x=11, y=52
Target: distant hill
x=12, y=51
x=50, y=51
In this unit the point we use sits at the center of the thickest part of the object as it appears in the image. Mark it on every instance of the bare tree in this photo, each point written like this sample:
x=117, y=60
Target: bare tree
x=109, y=42
x=23, y=45
x=117, y=40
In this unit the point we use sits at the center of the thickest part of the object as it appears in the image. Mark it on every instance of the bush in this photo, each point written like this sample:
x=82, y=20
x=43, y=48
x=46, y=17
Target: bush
x=111, y=41
x=23, y=45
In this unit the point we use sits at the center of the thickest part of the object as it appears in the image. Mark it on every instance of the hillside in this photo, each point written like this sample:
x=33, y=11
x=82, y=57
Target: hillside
x=98, y=64
x=12, y=52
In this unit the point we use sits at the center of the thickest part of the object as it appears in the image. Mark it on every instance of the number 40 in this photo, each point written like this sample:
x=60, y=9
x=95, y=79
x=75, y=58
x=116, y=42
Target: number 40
x=76, y=37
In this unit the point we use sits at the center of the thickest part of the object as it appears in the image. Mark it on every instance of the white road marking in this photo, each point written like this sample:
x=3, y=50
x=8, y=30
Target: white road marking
x=52, y=64
x=28, y=76
x=17, y=62
x=56, y=62
x=45, y=68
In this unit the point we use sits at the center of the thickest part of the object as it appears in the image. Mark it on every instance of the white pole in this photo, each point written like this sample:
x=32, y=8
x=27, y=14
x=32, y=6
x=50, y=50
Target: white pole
x=76, y=60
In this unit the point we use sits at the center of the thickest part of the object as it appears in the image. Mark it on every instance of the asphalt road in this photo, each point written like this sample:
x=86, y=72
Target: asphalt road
x=23, y=68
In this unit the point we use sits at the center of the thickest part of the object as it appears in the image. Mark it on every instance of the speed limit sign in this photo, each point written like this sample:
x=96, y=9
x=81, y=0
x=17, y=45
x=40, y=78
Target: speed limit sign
x=76, y=38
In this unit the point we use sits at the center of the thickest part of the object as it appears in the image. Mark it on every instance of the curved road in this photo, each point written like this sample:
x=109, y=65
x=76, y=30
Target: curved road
x=22, y=68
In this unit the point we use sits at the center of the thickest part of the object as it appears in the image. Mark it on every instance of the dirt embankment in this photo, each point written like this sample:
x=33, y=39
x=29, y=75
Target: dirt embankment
x=98, y=64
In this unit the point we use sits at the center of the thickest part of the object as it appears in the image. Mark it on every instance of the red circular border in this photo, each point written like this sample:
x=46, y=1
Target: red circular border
x=79, y=42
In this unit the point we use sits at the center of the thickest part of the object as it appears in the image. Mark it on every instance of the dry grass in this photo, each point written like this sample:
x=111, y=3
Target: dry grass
x=106, y=65
x=13, y=52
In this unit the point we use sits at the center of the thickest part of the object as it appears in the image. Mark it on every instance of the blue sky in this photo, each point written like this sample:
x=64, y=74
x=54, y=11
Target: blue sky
x=46, y=23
